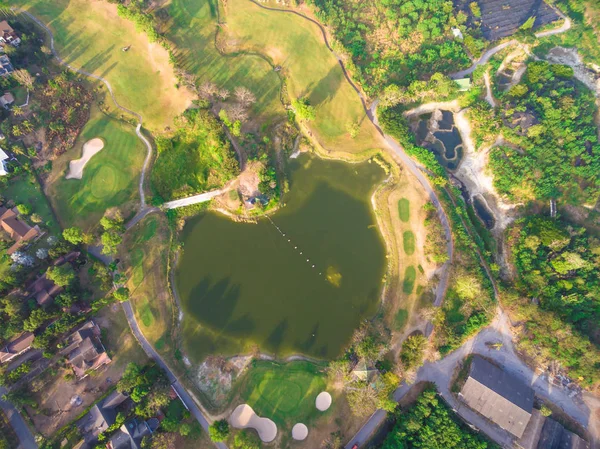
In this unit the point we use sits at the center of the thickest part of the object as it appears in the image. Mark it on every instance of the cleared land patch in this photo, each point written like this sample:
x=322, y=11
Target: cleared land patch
x=90, y=35
x=310, y=69
x=110, y=178
x=76, y=166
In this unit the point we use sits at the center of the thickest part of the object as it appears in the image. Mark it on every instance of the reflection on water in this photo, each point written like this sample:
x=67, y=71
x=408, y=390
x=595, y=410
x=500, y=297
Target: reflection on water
x=245, y=284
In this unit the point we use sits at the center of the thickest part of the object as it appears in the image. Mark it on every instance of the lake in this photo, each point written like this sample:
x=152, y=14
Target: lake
x=245, y=286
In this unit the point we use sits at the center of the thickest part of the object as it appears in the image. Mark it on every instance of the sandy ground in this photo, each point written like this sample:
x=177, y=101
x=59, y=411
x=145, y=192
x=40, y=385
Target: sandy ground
x=244, y=416
x=76, y=166
x=299, y=432
x=323, y=401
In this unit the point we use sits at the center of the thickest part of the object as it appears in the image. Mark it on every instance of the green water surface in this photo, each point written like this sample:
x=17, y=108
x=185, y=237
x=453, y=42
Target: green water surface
x=245, y=285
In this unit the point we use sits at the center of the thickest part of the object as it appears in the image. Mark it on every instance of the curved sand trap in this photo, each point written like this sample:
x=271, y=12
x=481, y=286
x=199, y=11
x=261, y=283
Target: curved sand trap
x=323, y=401
x=299, y=432
x=76, y=166
x=243, y=417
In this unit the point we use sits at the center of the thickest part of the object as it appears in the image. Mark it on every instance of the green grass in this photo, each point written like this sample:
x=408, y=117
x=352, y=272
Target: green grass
x=310, y=68
x=284, y=393
x=110, y=178
x=404, y=209
x=410, y=275
x=90, y=35
x=26, y=190
x=193, y=33
x=145, y=312
x=20, y=94
x=408, y=240
x=400, y=319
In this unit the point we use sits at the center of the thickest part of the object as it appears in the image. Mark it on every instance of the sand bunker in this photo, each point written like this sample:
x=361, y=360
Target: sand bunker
x=299, y=432
x=323, y=401
x=76, y=166
x=243, y=417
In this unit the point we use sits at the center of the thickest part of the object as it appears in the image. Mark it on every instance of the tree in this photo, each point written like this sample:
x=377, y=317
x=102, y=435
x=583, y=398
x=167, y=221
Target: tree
x=246, y=440
x=121, y=294
x=219, y=430
x=22, y=259
x=24, y=209
x=130, y=377
x=74, y=235
x=36, y=218
x=244, y=96
x=24, y=78
x=62, y=275
x=110, y=240
x=412, y=351
x=303, y=109
x=545, y=410
x=42, y=253
x=185, y=429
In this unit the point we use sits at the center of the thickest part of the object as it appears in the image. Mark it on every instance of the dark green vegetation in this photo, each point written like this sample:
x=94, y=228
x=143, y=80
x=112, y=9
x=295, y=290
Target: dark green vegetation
x=398, y=41
x=197, y=158
x=550, y=118
x=559, y=268
x=243, y=284
x=404, y=209
x=410, y=275
x=430, y=424
x=408, y=239
x=285, y=393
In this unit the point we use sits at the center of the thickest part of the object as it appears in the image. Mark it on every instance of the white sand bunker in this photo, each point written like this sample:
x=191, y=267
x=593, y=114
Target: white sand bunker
x=299, y=432
x=76, y=166
x=323, y=401
x=243, y=417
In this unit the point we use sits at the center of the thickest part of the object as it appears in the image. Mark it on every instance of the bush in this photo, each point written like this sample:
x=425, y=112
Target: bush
x=219, y=431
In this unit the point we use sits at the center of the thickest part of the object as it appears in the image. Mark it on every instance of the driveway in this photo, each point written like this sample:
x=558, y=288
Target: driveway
x=27, y=441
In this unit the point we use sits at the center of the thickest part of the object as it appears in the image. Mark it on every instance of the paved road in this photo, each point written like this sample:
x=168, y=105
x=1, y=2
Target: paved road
x=485, y=57
x=18, y=424
x=185, y=396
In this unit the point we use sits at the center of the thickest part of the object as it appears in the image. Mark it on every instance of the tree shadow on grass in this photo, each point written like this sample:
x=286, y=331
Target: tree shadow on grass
x=327, y=87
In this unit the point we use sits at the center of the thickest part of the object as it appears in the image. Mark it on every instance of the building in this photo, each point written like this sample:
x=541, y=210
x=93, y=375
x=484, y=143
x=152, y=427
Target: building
x=101, y=416
x=16, y=347
x=18, y=230
x=3, y=158
x=44, y=290
x=131, y=434
x=84, y=350
x=8, y=35
x=498, y=396
x=6, y=67
x=7, y=99
x=546, y=433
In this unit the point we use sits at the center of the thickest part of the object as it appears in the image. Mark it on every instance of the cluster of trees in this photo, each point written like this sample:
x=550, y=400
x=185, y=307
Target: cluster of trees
x=430, y=423
x=112, y=234
x=439, y=88
x=559, y=268
x=558, y=152
x=397, y=40
x=198, y=157
x=143, y=22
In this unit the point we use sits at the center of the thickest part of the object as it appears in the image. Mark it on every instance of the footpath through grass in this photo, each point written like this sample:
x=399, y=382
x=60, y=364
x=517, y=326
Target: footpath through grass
x=90, y=35
x=311, y=70
x=285, y=393
x=110, y=178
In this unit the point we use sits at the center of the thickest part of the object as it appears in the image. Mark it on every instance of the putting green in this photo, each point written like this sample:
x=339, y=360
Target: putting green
x=285, y=393
x=404, y=209
x=110, y=178
x=410, y=275
x=408, y=239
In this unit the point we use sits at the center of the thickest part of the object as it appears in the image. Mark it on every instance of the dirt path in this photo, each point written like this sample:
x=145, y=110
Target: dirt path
x=489, y=97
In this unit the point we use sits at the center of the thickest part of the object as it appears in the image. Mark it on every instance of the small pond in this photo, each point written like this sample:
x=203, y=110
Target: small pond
x=299, y=282
x=437, y=132
x=483, y=212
